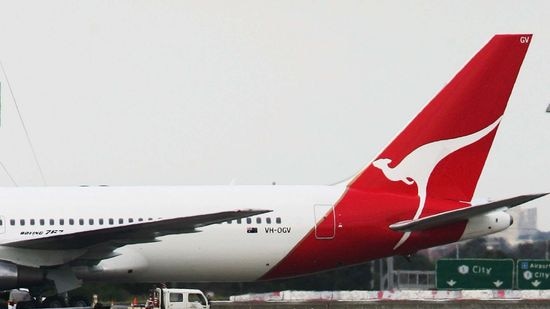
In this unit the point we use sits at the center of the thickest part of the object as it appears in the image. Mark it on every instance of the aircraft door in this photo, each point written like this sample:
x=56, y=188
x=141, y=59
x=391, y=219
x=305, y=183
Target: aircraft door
x=325, y=221
x=196, y=301
x=176, y=301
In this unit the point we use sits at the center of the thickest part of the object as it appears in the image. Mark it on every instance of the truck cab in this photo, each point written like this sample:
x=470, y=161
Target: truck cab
x=164, y=298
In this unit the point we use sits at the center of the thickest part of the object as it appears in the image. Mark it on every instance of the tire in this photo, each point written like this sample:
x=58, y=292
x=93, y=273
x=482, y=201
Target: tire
x=26, y=304
x=79, y=302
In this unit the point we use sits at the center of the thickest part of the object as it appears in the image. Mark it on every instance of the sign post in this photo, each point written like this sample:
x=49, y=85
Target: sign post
x=474, y=274
x=533, y=274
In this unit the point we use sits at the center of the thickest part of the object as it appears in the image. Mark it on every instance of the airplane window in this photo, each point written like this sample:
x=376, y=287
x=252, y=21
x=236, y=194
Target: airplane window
x=100, y=221
x=248, y=220
x=278, y=220
x=229, y=222
x=258, y=220
x=111, y=221
x=268, y=220
x=130, y=220
x=120, y=221
x=140, y=219
x=22, y=221
x=32, y=222
x=239, y=221
x=42, y=222
x=81, y=221
x=52, y=221
x=61, y=221
x=71, y=221
x=150, y=219
x=12, y=222
x=1, y=222
x=91, y=221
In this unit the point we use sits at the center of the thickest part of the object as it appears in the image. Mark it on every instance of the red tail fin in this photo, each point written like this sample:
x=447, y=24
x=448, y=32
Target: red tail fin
x=444, y=148
x=433, y=164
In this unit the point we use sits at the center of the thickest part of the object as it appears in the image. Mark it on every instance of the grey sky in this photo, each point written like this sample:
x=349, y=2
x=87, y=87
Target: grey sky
x=298, y=92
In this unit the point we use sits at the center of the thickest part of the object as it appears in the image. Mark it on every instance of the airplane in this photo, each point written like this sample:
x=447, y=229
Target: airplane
x=417, y=193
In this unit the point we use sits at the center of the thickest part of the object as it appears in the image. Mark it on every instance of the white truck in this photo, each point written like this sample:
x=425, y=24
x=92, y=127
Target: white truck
x=164, y=298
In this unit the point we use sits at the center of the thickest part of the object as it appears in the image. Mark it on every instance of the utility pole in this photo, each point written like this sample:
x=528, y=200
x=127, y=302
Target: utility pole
x=389, y=261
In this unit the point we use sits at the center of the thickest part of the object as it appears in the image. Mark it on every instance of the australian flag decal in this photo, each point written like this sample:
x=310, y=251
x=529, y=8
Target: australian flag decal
x=251, y=230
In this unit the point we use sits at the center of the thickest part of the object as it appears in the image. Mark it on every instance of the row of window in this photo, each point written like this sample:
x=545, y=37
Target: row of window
x=258, y=220
x=109, y=221
x=112, y=221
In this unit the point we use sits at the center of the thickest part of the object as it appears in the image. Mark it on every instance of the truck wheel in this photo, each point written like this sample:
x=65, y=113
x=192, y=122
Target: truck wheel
x=26, y=304
x=79, y=302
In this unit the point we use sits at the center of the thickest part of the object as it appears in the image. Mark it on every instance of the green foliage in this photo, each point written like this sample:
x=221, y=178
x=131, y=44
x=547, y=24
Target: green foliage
x=112, y=292
x=414, y=262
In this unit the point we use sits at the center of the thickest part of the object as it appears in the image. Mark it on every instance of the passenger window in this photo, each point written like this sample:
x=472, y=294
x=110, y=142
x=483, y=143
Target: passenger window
x=81, y=221
x=278, y=220
x=71, y=221
x=61, y=221
x=239, y=221
x=229, y=222
x=52, y=221
x=22, y=222
x=140, y=219
x=130, y=220
x=100, y=221
x=91, y=221
x=248, y=220
x=120, y=221
x=12, y=222
x=111, y=221
x=32, y=222
x=268, y=220
x=176, y=297
x=196, y=298
x=1, y=222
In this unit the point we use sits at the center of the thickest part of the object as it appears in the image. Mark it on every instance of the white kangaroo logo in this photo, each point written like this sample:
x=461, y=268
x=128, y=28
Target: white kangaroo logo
x=417, y=166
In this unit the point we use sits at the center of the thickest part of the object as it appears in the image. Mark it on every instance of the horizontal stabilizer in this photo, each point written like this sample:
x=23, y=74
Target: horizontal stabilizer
x=461, y=214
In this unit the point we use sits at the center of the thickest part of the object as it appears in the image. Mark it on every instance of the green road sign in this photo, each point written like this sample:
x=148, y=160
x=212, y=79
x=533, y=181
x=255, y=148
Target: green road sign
x=533, y=274
x=474, y=274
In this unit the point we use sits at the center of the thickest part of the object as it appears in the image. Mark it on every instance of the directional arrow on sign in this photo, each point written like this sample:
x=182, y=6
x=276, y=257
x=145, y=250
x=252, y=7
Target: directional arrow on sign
x=498, y=283
x=536, y=283
x=451, y=282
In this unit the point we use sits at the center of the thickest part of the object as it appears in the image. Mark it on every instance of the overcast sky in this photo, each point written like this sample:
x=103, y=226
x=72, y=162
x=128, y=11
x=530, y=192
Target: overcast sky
x=210, y=92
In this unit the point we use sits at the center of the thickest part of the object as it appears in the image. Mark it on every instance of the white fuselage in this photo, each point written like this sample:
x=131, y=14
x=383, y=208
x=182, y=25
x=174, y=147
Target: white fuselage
x=219, y=252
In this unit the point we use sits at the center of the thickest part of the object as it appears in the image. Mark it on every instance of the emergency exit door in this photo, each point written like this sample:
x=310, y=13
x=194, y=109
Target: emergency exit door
x=325, y=222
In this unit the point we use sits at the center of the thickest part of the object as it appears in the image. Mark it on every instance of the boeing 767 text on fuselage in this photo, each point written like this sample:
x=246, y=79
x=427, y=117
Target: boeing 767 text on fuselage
x=416, y=194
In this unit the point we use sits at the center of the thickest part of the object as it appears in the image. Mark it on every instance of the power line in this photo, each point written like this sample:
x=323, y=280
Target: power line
x=23, y=125
x=7, y=173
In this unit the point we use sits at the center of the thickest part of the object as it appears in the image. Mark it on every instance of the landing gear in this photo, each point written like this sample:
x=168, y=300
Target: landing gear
x=38, y=298
x=60, y=302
